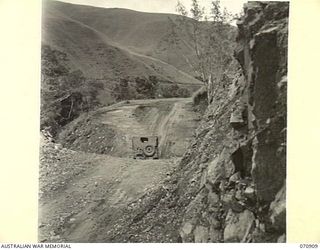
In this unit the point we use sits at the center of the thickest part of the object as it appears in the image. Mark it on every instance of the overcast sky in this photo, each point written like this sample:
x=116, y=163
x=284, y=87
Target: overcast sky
x=162, y=6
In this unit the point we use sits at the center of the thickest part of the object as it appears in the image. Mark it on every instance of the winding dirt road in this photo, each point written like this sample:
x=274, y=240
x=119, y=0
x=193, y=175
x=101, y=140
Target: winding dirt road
x=80, y=190
x=172, y=120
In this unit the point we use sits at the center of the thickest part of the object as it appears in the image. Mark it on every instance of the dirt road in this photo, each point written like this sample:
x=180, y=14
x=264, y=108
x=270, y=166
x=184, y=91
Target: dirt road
x=173, y=120
x=80, y=190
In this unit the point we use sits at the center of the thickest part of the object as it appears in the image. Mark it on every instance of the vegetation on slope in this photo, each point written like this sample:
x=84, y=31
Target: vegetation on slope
x=65, y=94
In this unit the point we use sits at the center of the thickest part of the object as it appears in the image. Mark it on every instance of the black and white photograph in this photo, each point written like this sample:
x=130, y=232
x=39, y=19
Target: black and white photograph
x=163, y=121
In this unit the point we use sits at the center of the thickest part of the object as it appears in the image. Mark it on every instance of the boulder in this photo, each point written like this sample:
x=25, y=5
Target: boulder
x=249, y=193
x=186, y=230
x=213, y=198
x=214, y=235
x=201, y=234
x=235, y=177
x=237, y=225
x=220, y=168
x=237, y=119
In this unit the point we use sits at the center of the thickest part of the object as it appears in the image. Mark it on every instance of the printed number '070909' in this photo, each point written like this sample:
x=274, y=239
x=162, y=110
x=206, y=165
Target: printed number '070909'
x=308, y=245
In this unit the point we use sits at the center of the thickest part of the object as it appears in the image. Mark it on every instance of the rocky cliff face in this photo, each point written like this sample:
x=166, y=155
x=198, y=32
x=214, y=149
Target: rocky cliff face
x=233, y=176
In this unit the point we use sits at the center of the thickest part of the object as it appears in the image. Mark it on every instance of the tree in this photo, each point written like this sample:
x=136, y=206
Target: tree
x=153, y=80
x=183, y=92
x=194, y=31
x=65, y=94
x=173, y=90
x=146, y=88
x=212, y=40
x=121, y=90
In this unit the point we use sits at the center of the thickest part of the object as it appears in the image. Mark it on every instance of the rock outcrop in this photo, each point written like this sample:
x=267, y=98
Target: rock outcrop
x=233, y=177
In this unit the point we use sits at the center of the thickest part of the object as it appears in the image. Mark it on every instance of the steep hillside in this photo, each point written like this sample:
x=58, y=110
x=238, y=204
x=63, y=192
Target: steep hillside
x=137, y=32
x=79, y=32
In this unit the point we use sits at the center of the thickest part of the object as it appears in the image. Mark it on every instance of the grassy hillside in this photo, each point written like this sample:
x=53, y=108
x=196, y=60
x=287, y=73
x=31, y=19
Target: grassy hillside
x=137, y=32
x=109, y=43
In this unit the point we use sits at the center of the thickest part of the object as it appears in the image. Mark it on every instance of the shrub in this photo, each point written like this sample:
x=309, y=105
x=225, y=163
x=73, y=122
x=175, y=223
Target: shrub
x=65, y=94
x=200, y=96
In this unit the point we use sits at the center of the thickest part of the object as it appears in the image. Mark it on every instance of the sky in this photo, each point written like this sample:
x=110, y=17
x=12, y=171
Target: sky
x=162, y=6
